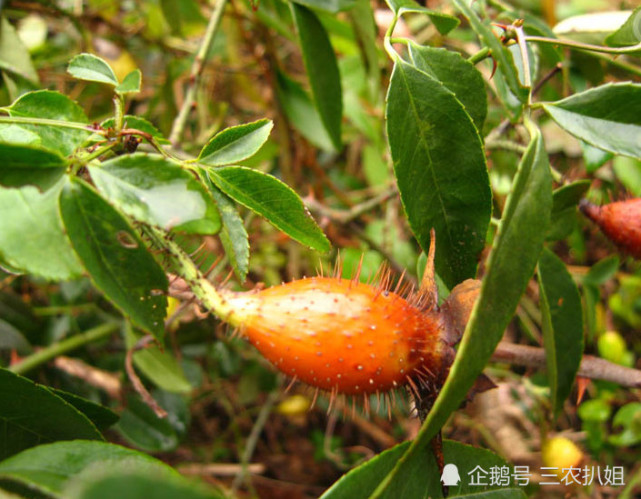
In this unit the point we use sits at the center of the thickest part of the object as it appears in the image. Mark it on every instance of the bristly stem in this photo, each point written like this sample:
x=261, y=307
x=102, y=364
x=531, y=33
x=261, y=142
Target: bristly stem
x=181, y=265
x=178, y=126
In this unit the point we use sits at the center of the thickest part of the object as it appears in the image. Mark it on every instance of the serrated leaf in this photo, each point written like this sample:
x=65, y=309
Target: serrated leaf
x=233, y=235
x=35, y=415
x=444, y=22
x=608, y=117
x=322, y=70
x=100, y=416
x=499, y=53
x=159, y=366
x=51, y=105
x=440, y=168
x=271, y=198
x=510, y=266
x=50, y=468
x=629, y=33
x=423, y=476
x=89, y=67
x=562, y=326
x=138, y=123
x=46, y=252
x=457, y=75
x=131, y=83
x=153, y=190
x=235, y=143
x=301, y=113
x=114, y=255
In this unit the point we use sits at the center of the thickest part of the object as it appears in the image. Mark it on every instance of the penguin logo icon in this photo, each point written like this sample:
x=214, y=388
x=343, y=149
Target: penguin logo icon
x=450, y=476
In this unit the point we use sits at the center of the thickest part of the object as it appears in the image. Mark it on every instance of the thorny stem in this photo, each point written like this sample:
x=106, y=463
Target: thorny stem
x=181, y=265
x=197, y=67
x=46, y=354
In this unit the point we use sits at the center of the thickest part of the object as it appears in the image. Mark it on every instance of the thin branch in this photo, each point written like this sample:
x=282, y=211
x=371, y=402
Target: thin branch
x=196, y=72
x=591, y=367
x=142, y=343
x=345, y=216
x=252, y=440
x=46, y=354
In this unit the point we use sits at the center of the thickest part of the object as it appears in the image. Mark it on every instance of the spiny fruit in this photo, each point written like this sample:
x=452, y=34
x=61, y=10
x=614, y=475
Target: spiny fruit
x=340, y=335
x=619, y=221
x=346, y=337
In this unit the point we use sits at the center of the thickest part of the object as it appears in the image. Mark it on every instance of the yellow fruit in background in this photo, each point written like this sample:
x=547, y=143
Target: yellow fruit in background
x=294, y=405
x=612, y=347
x=560, y=452
x=120, y=60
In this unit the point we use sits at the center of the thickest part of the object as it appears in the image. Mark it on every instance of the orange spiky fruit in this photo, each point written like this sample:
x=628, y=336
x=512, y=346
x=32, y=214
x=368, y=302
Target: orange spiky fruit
x=351, y=338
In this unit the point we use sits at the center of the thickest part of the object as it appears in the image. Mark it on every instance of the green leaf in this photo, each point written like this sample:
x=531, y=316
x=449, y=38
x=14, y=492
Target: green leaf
x=22, y=156
x=562, y=326
x=510, y=266
x=301, y=113
x=131, y=83
x=236, y=143
x=18, y=71
x=46, y=104
x=331, y=6
x=500, y=54
x=89, y=67
x=628, y=417
x=138, y=123
x=124, y=483
x=153, y=190
x=322, y=70
x=602, y=271
x=444, y=22
x=160, y=366
x=33, y=415
x=115, y=257
x=233, y=236
x=608, y=117
x=99, y=415
x=597, y=410
x=440, y=168
x=50, y=468
x=142, y=428
x=564, y=209
x=423, y=476
x=629, y=33
x=274, y=200
x=628, y=172
x=12, y=339
x=363, y=23
x=594, y=157
x=457, y=75
x=46, y=251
